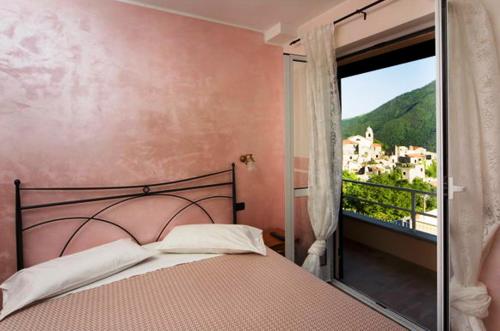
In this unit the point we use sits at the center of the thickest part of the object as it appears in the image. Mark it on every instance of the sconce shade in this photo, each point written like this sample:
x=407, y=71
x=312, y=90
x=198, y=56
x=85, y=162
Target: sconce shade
x=249, y=161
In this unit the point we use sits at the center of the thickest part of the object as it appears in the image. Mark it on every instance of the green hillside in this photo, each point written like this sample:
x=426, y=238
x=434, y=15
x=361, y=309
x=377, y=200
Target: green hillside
x=409, y=119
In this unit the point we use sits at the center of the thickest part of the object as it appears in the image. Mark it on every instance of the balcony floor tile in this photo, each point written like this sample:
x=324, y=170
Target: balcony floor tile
x=402, y=286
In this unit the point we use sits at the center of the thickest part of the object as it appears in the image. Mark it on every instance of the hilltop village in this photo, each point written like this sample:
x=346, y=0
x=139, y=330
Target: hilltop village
x=365, y=157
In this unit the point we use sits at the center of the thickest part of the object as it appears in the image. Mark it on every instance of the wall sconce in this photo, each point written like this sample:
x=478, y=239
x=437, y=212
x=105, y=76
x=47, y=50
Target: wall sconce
x=249, y=161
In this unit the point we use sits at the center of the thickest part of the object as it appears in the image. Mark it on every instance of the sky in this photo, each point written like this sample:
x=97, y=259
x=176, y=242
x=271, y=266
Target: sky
x=363, y=93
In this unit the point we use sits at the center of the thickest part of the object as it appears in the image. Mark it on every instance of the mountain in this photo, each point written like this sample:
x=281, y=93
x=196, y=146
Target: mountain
x=409, y=119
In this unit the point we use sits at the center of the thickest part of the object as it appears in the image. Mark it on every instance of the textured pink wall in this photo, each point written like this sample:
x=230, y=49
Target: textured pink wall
x=101, y=92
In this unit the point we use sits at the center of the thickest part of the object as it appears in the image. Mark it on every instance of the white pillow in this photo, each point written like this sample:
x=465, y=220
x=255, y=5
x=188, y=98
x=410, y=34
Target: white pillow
x=66, y=273
x=214, y=238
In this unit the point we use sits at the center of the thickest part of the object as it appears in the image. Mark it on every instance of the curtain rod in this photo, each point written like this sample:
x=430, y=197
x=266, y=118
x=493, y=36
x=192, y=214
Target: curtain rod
x=356, y=12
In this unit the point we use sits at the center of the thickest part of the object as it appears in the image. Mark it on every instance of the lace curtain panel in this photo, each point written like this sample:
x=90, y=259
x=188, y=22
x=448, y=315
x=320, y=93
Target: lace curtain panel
x=474, y=121
x=325, y=152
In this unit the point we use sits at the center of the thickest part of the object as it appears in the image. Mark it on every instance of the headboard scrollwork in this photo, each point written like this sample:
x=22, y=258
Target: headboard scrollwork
x=121, y=195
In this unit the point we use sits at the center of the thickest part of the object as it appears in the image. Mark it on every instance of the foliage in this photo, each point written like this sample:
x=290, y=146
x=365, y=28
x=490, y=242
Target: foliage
x=409, y=119
x=431, y=171
x=385, y=147
x=386, y=196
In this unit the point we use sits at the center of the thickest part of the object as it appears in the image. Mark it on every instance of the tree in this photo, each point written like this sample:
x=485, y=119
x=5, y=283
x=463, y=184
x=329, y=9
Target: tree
x=357, y=196
x=431, y=171
x=409, y=119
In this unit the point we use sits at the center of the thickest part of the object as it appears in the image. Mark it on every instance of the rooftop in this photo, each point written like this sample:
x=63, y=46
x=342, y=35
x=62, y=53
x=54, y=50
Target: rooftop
x=415, y=155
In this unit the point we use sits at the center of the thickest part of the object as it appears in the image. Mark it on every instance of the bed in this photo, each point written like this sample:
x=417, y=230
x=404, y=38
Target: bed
x=212, y=292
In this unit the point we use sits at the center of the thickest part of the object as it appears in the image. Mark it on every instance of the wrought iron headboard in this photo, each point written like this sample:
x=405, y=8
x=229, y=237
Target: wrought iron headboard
x=145, y=190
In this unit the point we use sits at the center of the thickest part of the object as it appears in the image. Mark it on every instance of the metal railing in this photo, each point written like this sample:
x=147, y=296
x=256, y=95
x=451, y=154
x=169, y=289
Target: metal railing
x=413, y=194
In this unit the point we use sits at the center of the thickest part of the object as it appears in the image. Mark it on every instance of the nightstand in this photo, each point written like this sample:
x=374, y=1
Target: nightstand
x=274, y=238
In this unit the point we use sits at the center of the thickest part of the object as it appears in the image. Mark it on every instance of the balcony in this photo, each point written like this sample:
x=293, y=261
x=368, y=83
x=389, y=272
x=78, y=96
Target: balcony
x=418, y=220
x=392, y=261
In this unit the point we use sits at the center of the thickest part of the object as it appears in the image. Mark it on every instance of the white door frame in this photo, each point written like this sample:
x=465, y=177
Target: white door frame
x=442, y=143
x=289, y=157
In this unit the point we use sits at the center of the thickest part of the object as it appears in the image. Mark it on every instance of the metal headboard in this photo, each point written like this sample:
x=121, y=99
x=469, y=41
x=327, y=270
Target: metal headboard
x=145, y=190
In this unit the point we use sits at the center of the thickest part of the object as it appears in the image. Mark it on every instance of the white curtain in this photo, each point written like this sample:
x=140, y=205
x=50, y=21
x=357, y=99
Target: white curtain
x=474, y=139
x=325, y=153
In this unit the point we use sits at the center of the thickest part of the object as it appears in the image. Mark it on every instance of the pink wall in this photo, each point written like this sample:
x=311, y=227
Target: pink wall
x=101, y=92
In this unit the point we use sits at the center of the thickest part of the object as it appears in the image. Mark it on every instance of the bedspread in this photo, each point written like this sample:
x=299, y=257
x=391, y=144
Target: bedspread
x=230, y=292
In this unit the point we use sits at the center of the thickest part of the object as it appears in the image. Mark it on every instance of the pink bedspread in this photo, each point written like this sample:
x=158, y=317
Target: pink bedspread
x=231, y=292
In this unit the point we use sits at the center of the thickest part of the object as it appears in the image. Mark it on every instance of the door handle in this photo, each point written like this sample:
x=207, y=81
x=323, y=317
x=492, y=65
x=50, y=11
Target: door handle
x=452, y=189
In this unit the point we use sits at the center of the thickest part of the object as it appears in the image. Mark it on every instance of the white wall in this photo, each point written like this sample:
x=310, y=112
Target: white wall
x=387, y=20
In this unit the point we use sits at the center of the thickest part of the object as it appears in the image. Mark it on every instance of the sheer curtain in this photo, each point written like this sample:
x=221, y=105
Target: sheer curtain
x=325, y=153
x=474, y=120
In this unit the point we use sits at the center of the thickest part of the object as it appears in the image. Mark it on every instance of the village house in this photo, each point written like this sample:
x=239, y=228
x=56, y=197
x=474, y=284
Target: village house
x=365, y=157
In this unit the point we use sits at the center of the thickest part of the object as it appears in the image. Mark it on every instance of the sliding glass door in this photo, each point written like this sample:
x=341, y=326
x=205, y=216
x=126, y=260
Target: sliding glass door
x=299, y=234
x=389, y=211
x=387, y=251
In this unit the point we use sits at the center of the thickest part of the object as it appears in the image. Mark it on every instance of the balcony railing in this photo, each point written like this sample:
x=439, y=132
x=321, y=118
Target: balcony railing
x=413, y=211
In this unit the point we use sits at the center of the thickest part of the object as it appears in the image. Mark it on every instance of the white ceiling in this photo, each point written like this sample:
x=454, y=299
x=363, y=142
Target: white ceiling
x=257, y=15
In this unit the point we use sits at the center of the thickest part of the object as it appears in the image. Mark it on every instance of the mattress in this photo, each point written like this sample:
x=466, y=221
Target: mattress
x=228, y=292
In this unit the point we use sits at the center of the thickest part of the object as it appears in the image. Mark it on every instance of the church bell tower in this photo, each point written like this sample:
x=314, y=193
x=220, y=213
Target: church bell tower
x=369, y=134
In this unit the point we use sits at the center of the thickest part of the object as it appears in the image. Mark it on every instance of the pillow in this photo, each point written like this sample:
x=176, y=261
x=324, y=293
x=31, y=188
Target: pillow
x=68, y=272
x=214, y=238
